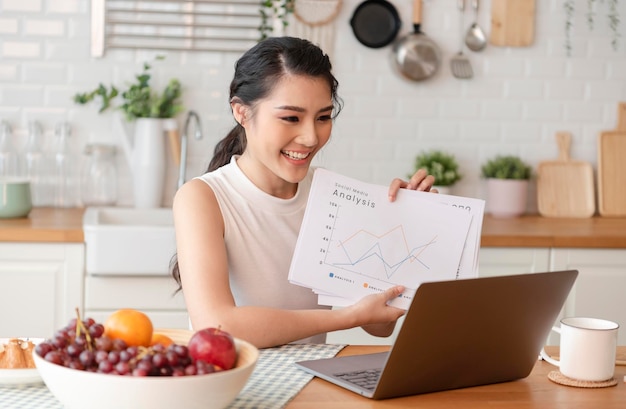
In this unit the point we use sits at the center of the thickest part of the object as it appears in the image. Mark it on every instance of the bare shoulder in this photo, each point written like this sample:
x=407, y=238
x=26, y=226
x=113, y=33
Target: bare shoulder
x=195, y=200
x=193, y=191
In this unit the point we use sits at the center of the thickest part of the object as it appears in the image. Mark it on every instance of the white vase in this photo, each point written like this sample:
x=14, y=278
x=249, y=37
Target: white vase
x=146, y=157
x=506, y=197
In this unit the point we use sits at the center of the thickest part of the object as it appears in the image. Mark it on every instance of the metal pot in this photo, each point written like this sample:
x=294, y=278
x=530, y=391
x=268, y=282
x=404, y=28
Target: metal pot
x=416, y=56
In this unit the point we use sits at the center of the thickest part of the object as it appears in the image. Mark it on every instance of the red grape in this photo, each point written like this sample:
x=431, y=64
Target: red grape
x=85, y=347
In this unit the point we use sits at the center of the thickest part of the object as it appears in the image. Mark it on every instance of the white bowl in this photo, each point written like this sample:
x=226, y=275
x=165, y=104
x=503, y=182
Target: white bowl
x=77, y=389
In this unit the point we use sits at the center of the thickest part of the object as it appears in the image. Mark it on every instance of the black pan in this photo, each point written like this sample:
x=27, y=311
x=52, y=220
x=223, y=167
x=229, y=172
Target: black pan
x=375, y=23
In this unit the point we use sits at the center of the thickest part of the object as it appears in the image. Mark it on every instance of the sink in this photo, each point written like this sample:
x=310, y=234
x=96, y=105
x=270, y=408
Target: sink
x=128, y=241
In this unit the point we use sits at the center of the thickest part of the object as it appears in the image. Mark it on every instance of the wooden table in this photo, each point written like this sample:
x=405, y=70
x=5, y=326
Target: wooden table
x=536, y=391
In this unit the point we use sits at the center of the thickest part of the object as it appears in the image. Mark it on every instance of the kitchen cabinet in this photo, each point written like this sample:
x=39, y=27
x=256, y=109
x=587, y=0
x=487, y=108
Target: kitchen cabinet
x=598, y=291
x=513, y=260
x=42, y=285
x=154, y=295
x=600, y=286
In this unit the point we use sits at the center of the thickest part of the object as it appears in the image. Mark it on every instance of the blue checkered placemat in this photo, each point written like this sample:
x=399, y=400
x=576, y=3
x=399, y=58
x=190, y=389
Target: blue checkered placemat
x=274, y=382
x=27, y=397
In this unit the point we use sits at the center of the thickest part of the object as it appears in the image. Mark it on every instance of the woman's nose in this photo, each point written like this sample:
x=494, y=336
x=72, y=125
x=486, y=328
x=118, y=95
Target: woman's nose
x=308, y=136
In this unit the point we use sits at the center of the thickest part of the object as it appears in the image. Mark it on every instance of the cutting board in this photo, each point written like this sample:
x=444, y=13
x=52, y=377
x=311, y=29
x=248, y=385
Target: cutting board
x=612, y=168
x=512, y=23
x=565, y=188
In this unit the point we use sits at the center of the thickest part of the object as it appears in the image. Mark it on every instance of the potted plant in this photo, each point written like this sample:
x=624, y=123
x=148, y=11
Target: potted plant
x=139, y=100
x=507, y=185
x=151, y=113
x=442, y=166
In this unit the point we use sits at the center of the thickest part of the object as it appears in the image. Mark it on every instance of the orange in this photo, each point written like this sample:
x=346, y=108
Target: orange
x=161, y=339
x=132, y=326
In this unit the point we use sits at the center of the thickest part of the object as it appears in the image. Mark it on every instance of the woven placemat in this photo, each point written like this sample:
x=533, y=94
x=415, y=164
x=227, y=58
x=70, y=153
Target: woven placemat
x=558, y=377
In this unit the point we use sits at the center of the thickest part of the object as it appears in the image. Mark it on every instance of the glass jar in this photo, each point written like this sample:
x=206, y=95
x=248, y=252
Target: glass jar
x=99, y=176
x=65, y=168
x=34, y=167
x=8, y=154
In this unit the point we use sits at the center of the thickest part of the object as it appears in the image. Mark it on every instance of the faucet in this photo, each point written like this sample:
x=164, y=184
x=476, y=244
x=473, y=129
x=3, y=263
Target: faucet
x=191, y=115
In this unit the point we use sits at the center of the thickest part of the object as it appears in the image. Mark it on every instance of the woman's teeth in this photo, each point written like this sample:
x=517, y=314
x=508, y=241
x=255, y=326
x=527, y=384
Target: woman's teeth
x=296, y=155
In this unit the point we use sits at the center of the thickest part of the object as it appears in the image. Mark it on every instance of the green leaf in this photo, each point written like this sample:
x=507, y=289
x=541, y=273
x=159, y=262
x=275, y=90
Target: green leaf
x=506, y=167
x=441, y=165
x=139, y=100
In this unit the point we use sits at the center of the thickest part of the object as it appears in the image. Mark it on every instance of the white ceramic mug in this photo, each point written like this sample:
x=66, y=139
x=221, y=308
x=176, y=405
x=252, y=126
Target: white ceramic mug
x=587, y=348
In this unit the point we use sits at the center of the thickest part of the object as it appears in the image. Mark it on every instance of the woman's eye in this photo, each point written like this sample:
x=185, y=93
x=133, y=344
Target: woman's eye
x=325, y=118
x=291, y=118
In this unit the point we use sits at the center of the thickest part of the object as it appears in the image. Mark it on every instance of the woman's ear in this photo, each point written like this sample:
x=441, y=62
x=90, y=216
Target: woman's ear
x=239, y=112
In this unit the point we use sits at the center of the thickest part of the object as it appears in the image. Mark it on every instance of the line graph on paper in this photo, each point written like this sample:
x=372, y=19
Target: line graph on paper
x=354, y=241
x=385, y=250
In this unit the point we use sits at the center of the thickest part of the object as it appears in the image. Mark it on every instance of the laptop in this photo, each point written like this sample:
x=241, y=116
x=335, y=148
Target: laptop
x=457, y=334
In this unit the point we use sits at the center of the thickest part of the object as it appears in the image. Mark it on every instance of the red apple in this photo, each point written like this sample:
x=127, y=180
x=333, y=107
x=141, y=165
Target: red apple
x=213, y=346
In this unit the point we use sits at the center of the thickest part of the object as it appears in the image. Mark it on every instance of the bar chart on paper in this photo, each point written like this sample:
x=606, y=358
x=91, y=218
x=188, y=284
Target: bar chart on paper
x=354, y=242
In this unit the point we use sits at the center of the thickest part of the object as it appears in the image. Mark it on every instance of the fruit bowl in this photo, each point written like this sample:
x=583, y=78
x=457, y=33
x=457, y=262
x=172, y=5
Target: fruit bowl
x=77, y=389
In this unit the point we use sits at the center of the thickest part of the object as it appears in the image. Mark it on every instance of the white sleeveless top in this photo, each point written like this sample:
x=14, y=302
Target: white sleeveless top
x=260, y=232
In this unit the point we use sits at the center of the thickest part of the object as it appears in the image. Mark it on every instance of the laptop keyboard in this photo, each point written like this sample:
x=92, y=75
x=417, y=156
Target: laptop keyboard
x=366, y=379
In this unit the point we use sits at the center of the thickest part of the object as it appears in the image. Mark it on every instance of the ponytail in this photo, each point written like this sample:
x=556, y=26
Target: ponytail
x=233, y=144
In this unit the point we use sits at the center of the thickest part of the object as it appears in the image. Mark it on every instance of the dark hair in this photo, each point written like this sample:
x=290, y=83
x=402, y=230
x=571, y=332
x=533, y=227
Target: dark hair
x=256, y=73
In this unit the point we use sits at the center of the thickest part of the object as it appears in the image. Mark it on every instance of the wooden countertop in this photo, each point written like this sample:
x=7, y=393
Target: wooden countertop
x=45, y=224
x=533, y=392
x=538, y=231
x=65, y=225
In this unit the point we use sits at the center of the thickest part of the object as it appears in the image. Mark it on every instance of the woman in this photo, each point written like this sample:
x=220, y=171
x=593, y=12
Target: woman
x=237, y=225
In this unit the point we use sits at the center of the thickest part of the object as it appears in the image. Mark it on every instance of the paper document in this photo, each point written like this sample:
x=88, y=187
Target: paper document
x=354, y=242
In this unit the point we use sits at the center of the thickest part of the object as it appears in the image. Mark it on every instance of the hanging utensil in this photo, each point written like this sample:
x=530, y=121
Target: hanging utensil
x=459, y=64
x=314, y=20
x=416, y=56
x=375, y=23
x=475, y=38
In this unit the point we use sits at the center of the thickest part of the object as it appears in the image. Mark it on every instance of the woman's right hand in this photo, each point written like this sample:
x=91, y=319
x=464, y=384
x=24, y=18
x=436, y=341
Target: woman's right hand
x=374, y=314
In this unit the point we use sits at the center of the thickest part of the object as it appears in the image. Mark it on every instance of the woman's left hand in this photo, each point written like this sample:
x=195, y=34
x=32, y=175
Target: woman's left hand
x=421, y=180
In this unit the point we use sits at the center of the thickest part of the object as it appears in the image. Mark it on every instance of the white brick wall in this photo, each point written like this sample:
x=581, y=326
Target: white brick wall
x=517, y=100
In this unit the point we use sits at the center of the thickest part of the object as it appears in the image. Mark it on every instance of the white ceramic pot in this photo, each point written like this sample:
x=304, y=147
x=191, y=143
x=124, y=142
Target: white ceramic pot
x=146, y=157
x=506, y=197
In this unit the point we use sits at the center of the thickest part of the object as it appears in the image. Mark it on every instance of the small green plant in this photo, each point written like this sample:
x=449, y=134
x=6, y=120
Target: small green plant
x=506, y=167
x=274, y=8
x=441, y=165
x=139, y=100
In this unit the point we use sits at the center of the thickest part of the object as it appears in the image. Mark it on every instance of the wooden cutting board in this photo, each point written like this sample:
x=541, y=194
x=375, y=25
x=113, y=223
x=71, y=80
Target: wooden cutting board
x=512, y=23
x=612, y=168
x=565, y=188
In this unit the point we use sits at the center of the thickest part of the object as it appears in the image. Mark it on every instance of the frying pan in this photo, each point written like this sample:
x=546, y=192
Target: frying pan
x=375, y=23
x=415, y=55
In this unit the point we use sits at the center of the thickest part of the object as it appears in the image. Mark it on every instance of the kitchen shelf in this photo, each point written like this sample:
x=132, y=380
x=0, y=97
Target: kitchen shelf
x=174, y=25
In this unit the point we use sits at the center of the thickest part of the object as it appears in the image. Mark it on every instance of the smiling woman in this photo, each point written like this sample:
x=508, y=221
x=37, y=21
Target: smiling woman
x=237, y=225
